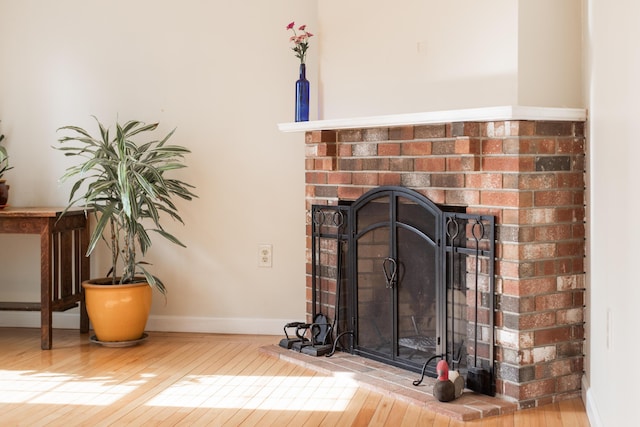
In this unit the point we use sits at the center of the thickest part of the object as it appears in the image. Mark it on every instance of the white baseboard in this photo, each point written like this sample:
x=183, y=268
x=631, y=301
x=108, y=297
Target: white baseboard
x=590, y=404
x=214, y=325
x=218, y=325
x=31, y=319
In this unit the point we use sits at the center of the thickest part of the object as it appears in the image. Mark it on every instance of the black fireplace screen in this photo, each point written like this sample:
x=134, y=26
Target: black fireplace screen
x=406, y=280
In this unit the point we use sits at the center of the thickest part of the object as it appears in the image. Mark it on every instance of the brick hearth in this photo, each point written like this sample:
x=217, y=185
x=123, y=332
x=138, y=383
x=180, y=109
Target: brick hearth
x=529, y=174
x=397, y=383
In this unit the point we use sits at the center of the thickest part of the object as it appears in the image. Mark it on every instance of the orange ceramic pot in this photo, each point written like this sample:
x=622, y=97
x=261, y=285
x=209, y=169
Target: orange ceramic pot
x=118, y=313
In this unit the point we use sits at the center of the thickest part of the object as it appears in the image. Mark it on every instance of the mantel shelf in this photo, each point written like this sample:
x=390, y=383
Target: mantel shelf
x=445, y=116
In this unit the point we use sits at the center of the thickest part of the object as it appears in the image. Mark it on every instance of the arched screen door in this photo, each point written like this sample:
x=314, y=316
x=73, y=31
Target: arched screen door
x=397, y=266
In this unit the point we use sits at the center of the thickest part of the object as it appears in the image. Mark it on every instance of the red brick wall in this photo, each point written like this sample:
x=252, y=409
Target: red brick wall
x=530, y=175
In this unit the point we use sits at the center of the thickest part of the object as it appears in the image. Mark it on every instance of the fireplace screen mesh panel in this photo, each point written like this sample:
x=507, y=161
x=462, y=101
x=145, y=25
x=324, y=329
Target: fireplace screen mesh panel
x=408, y=276
x=396, y=262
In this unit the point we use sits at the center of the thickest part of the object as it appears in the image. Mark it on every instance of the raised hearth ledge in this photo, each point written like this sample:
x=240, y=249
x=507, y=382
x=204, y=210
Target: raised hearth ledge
x=445, y=116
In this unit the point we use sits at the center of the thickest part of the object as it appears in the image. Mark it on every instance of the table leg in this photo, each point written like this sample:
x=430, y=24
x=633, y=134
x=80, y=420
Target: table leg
x=85, y=274
x=46, y=329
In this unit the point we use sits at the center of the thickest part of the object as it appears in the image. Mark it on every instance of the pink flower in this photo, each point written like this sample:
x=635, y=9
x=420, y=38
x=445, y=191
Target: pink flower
x=300, y=41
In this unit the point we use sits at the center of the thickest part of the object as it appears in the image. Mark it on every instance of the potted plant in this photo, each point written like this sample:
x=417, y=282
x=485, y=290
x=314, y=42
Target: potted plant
x=125, y=185
x=4, y=166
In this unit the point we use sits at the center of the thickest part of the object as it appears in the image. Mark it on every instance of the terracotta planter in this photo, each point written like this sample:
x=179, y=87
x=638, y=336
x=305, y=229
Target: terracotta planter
x=118, y=313
x=4, y=193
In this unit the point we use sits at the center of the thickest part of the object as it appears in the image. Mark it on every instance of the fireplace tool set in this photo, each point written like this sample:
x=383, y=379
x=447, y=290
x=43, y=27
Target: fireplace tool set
x=479, y=379
x=316, y=338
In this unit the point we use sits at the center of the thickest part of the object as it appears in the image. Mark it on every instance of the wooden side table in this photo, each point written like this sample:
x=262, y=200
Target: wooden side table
x=63, y=264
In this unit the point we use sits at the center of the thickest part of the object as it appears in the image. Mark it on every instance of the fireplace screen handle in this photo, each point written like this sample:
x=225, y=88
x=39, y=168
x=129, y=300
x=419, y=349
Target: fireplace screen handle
x=390, y=269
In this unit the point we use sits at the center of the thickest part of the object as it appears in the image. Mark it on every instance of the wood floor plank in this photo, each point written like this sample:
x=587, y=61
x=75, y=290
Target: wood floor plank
x=213, y=415
x=251, y=413
x=234, y=361
x=552, y=415
x=439, y=420
x=427, y=418
x=573, y=413
x=411, y=416
x=171, y=415
x=66, y=367
x=254, y=399
x=521, y=419
x=368, y=408
x=381, y=411
x=202, y=379
x=166, y=373
x=350, y=413
x=397, y=413
x=264, y=416
x=343, y=403
x=533, y=417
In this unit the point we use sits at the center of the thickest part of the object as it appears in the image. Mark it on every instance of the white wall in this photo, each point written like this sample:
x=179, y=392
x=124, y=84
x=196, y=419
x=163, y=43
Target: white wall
x=223, y=74
x=550, y=53
x=379, y=57
x=613, y=66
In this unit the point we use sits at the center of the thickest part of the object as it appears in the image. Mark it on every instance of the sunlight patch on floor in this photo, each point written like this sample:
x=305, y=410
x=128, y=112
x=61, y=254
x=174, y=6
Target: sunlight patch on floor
x=61, y=389
x=259, y=392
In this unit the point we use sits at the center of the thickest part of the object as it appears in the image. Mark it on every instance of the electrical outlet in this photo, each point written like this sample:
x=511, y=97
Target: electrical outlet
x=265, y=256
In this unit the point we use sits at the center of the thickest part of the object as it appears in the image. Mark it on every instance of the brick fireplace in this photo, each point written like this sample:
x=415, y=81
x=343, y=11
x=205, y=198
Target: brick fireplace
x=523, y=166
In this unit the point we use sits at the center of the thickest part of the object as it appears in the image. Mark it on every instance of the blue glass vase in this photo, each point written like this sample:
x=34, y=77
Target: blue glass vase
x=302, y=96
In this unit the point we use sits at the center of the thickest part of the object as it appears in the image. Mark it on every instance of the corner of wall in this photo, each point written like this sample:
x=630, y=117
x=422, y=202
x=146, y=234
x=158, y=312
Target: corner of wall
x=590, y=404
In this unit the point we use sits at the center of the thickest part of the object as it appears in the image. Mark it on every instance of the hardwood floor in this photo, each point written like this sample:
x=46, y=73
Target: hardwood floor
x=198, y=380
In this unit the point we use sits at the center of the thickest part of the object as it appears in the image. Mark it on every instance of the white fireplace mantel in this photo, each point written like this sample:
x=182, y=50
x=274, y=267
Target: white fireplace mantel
x=446, y=116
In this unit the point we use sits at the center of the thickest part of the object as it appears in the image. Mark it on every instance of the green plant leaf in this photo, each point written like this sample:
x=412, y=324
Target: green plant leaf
x=124, y=183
